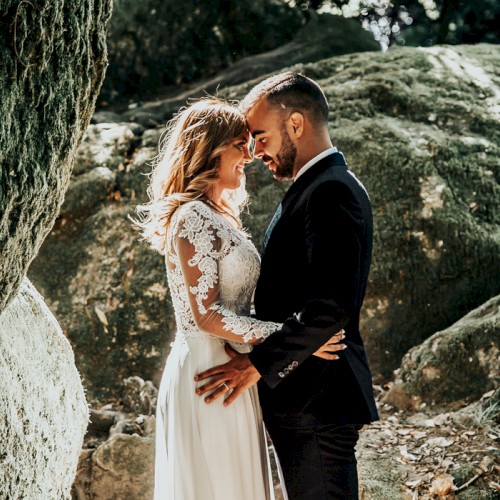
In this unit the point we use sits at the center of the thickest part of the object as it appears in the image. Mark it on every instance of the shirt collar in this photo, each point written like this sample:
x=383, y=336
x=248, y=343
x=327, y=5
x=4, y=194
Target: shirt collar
x=315, y=160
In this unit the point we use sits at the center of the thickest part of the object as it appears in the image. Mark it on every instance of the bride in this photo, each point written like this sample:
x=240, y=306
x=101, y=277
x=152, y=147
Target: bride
x=196, y=192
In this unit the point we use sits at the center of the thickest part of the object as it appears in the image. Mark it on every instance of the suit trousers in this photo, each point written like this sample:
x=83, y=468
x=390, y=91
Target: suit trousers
x=318, y=463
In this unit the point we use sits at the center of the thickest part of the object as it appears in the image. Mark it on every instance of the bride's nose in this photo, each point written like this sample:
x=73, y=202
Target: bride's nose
x=247, y=156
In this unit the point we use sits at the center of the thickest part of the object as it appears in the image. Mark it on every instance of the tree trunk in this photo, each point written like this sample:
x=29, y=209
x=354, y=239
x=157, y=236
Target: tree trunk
x=52, y=59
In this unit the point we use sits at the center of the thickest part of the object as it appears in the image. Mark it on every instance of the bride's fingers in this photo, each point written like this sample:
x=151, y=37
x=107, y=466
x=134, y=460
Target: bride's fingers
x=337, y=337
x=333, y=347
x=326, y=355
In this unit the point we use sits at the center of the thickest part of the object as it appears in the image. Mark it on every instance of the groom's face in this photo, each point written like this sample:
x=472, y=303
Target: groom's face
x=273, y=144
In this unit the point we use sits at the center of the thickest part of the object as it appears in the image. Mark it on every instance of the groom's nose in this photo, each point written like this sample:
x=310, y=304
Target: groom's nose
x=258, y=150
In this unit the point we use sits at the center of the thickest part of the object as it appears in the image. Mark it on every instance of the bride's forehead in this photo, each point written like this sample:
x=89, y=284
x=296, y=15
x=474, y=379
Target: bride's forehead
x=243, y=136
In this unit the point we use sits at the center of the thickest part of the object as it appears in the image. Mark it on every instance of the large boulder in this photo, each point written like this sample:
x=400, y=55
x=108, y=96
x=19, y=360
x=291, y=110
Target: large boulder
x=53, y=60
x=418, y=126
x=457, y=364
x=109, y=288
x=43, y=410
x=122, y=468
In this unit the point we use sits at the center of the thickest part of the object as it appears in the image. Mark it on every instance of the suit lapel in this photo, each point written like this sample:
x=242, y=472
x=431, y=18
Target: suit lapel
x=335, y=159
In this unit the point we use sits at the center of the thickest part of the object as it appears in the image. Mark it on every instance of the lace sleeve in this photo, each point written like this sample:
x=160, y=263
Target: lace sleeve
x=199, y=242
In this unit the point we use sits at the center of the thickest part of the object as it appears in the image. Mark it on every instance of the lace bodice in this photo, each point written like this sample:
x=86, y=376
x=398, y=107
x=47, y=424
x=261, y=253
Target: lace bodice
x=212, y=270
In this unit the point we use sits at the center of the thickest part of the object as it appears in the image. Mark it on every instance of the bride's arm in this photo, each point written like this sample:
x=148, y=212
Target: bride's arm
x=198, y=245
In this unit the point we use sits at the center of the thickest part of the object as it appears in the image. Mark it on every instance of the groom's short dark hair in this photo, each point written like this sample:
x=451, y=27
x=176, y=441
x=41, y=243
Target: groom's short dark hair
x=291, y=91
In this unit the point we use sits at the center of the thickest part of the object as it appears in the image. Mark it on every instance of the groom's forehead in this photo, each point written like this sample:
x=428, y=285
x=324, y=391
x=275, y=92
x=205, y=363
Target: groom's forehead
x=261, y=118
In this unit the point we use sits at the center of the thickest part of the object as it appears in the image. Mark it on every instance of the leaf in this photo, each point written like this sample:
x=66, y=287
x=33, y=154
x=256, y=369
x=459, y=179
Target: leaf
x=413, y=483
x=406, y=454
x=442, y=485
x=441, y=442
x=101, y=315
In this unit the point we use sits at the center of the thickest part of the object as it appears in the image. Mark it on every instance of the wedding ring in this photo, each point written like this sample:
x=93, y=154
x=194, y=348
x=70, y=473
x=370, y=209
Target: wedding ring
x=226, y=386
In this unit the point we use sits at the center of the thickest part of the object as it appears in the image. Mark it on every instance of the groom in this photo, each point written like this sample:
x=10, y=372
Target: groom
x=313, y=277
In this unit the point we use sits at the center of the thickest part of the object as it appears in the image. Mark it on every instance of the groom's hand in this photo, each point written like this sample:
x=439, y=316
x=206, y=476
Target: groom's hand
x=231, y=378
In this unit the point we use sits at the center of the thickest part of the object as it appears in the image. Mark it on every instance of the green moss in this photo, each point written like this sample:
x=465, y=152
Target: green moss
x=47, y=96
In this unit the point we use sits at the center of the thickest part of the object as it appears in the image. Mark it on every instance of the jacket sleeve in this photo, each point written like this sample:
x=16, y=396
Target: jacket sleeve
x=334, y=229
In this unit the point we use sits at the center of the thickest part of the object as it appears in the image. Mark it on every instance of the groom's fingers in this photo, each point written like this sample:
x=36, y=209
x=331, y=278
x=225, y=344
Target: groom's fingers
x=211, y=372
x=212, y=384
x=221, y=390
x=233, y=395
x=230, y=351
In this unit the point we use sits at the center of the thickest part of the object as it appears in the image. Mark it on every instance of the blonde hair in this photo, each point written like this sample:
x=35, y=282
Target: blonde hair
x=187, y=166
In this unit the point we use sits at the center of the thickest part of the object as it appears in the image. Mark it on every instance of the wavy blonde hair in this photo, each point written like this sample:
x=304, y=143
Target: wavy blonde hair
x=187, y=166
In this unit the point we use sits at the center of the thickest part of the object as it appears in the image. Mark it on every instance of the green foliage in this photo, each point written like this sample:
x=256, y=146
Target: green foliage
x=414, y=22
x=156, y=43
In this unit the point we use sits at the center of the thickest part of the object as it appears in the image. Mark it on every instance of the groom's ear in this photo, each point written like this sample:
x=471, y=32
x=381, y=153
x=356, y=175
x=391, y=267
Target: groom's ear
x=296, y=124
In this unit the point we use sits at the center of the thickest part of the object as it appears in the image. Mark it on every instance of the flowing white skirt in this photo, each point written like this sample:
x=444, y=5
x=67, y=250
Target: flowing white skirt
x=207, y=451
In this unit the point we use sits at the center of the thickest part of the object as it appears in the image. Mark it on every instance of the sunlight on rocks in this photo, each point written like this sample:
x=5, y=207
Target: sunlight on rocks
x=431, y=192
x=465, y=70
x=431, y=373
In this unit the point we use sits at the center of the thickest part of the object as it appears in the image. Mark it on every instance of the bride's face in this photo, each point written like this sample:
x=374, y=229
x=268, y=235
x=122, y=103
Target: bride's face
x=232, y=162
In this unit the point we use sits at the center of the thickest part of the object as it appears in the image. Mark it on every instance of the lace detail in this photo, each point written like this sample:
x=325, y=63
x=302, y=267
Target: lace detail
x=212, y=270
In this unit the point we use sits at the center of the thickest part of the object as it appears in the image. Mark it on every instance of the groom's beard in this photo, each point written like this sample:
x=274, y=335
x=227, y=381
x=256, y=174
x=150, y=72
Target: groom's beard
x=285, y=159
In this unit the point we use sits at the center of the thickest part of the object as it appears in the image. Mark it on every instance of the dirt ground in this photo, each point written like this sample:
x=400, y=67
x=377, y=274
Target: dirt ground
x=431, y=453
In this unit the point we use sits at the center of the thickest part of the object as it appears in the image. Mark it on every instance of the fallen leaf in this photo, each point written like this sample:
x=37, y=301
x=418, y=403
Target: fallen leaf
x=441, y=442
x=413, y=483
x=101, y=315
x=406, y=454
x=442, y=485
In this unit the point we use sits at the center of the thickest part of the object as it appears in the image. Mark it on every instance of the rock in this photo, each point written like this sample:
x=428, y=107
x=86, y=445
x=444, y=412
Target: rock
x=456, y=364
x=139, y=396
x=420, y=128
x=43, y=412
x=87, y=190
x=105, y=144
x=122, y=468
x=47, y=98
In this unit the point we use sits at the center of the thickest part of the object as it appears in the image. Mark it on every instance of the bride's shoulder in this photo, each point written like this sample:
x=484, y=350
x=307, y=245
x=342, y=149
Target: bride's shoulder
x=194, y=209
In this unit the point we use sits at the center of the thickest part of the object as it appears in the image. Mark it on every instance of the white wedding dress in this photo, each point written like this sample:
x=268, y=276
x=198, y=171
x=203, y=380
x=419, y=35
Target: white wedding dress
x=209, y=451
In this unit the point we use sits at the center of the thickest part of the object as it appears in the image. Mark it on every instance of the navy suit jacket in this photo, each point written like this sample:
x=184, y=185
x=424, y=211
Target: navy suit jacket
x=313, y=278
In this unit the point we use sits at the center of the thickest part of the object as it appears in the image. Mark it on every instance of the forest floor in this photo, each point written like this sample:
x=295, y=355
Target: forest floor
x=432, y=453
x=449, y=453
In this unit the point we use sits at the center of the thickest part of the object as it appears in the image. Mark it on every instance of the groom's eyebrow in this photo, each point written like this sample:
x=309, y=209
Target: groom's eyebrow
x=257, y=132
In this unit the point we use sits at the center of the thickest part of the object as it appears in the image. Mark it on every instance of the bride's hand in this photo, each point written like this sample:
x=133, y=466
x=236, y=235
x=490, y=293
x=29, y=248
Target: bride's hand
x=327, y=351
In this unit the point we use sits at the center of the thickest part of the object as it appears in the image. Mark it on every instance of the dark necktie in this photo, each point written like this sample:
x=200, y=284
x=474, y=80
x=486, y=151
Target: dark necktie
x=270, y=228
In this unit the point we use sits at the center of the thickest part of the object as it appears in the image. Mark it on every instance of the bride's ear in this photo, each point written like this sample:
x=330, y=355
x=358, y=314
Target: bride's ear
x=295, y=124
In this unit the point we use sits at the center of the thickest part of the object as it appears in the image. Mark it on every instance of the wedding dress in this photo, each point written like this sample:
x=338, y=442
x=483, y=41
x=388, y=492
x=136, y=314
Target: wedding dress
x=209, y=451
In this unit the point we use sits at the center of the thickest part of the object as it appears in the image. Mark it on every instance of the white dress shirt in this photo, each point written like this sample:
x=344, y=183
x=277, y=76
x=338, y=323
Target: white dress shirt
x=314, y=160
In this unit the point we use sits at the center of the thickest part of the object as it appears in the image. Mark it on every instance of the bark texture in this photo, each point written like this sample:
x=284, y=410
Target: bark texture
x=52, y=59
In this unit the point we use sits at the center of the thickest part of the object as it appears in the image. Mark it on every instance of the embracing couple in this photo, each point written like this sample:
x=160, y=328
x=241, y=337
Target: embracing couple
x=296, y=367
